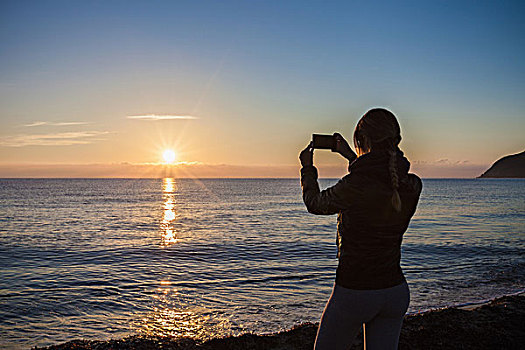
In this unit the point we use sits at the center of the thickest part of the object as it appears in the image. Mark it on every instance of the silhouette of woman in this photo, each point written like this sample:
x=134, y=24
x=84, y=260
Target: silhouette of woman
x=374, y=203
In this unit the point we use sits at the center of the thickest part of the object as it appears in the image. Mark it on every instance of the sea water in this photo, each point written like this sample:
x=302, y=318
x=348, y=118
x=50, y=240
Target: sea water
x=106, y=258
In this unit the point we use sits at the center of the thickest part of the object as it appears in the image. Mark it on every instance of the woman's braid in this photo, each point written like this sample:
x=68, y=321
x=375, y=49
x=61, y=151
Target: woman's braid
x=392, y=167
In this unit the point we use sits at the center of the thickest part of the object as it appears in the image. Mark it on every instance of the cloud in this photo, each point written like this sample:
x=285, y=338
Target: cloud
x=442, y=162
x=53, y=139
x=203, y=170
x=160, y=117
x=36, y=124
x=39, y=123
x=156, y=170
x=447, y=169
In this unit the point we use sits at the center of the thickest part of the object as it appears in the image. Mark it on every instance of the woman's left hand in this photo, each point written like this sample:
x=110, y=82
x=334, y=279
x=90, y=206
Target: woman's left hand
x=343, y=148
x=307, y=155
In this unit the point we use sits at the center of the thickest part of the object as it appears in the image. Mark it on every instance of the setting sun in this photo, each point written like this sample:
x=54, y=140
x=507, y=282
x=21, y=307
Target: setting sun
x=168, y=156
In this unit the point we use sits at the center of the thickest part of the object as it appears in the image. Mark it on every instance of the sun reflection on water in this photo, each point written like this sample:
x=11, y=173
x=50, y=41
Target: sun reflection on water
x=173, y=317
x=172, y=313
x=168, y=234
x=180, y=323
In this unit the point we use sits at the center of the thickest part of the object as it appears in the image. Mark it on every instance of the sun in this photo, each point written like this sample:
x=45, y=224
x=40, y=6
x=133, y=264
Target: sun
x=169, y=156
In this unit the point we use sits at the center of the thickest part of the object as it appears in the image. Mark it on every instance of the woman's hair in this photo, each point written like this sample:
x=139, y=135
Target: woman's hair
x=378, y=129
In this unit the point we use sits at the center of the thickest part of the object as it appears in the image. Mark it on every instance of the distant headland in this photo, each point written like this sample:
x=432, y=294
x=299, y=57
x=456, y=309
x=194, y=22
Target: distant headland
x=512, y=166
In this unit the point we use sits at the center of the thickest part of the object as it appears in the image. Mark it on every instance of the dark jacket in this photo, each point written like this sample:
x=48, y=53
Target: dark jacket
x=369, y=230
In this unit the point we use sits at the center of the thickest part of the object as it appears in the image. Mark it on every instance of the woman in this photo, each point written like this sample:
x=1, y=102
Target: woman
x=375, y=203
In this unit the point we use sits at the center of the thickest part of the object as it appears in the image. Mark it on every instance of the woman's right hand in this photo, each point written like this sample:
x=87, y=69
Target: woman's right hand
x=306, y=157
x=343, y=148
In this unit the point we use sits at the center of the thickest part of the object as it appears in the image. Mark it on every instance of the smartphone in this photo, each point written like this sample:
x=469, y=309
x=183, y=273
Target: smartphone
x=324, y=142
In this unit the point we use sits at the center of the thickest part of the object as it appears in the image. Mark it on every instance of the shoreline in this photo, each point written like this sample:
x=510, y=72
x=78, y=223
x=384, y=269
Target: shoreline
x=470, y=305
x=492, y=324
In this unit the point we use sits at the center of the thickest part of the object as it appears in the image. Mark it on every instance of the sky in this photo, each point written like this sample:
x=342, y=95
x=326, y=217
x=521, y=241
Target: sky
x=236, y=88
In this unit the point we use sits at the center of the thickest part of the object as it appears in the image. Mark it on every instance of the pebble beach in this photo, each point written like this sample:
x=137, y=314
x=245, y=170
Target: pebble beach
x=497, y=324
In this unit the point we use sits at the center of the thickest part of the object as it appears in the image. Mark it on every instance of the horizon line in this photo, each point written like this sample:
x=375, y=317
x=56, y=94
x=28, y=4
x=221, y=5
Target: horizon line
x=229, y=178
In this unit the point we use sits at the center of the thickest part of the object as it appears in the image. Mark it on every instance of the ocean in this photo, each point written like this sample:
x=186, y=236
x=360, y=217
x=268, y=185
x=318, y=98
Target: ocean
x=107, y=258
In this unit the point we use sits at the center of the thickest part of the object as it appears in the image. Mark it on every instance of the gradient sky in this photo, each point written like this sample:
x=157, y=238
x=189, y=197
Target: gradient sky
x=257, y=79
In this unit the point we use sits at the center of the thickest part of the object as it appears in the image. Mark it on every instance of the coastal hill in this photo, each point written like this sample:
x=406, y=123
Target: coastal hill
x=509, y=166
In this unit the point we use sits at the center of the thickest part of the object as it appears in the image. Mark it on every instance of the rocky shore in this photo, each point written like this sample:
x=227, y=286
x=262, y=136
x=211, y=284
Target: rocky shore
x=498, y=324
